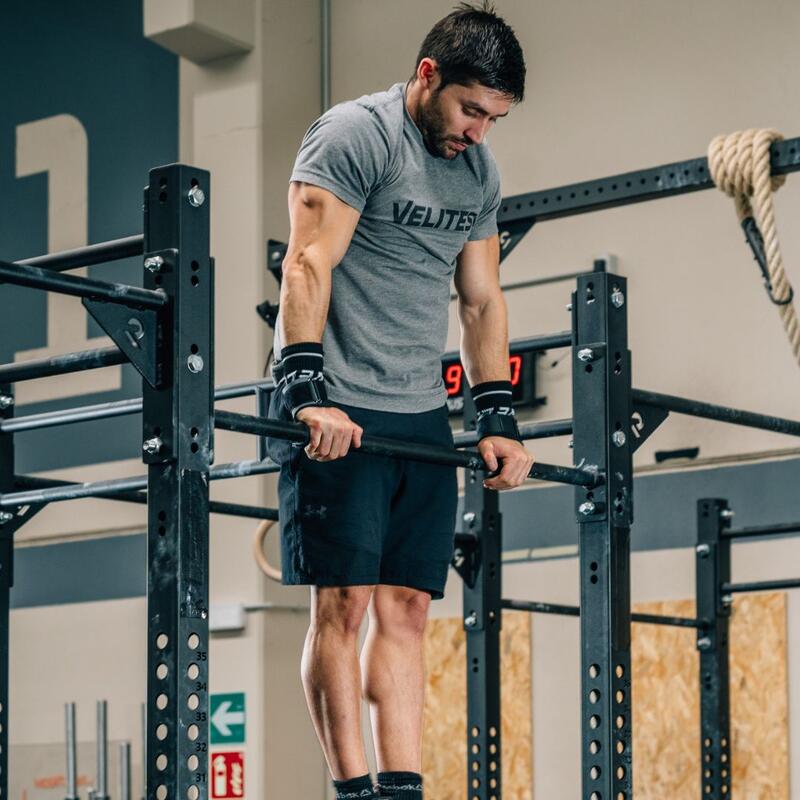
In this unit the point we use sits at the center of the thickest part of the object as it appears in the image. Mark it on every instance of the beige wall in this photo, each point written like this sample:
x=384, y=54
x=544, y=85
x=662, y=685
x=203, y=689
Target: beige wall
x=613, y=86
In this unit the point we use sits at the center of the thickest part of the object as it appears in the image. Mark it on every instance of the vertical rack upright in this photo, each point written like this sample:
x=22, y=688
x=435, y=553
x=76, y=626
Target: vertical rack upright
x=712, y=570
x=178, y=431
x=601, y=403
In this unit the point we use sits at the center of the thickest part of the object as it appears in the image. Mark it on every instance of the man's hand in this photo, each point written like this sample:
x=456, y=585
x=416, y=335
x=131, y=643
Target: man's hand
x=517, y=461
x=331, y=432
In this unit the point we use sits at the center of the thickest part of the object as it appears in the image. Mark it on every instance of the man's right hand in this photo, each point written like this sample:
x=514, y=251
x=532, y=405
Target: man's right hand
x=331, y=432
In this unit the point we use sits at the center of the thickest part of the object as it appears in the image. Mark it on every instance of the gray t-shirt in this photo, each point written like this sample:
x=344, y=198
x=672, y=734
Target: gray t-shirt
x=388, y=316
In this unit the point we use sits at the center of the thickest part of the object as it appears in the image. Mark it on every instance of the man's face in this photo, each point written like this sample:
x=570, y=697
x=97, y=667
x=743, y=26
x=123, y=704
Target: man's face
x=457, y=116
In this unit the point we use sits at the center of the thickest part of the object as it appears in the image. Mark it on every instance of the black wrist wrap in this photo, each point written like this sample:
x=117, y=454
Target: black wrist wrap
x=495, y=415
x=299, y=377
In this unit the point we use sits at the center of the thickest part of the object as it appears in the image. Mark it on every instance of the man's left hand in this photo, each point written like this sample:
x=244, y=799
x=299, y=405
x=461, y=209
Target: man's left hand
x=517, y=461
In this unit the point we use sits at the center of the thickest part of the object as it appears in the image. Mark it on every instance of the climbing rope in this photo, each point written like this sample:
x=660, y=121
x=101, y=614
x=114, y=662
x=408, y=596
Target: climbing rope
x=739, y=164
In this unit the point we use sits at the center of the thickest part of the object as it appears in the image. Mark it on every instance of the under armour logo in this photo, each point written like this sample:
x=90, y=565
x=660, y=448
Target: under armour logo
x=310, y=511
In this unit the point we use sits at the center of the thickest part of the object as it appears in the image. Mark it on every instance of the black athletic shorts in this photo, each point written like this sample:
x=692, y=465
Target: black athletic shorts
x=366, y=519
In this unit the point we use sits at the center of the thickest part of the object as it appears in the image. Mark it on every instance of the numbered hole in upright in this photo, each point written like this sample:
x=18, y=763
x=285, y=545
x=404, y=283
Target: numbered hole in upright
x=192, y=762
x=193, y=732
x=594, y=671
x=161, y=762
x=162, y=701
x=162, y=671
x=193, y=641
x=162, y=640
x=161, y=792
x=161, y=732
x=193, y=701
x=192, y=793
x=192, y=672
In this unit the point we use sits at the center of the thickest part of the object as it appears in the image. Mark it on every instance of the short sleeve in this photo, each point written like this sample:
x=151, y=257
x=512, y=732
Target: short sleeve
x=486, y=223
x=344, y=152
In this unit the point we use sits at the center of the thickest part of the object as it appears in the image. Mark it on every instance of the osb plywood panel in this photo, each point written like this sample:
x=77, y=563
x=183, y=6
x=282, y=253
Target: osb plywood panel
x=666, y=710
x=444, y=758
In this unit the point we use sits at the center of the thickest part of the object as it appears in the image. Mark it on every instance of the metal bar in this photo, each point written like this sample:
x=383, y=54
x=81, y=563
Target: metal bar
x=68, y=416
x=763, y=530
x=601, y=413
x=530, y=344
x=7, y=528
x=101, y=253
x=542, y=608
x=530, y=430
x=124, y=771
x=119, y=408
x=58, y=492
x=574, y=611
x=38, y=278
x=72, y=757
x=713, y=567
x=376, y=445
x=75, y=491
x=215, y=507
x=735, y=416
x=102, y=750
x=61, y=365
x=534, y=282
x=482, y=595
x=668, y=180
x=761, y=586
x=143, y=717
x=179, y=442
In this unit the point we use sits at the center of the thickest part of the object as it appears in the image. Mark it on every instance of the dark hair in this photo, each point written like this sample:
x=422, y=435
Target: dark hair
x=473, y=45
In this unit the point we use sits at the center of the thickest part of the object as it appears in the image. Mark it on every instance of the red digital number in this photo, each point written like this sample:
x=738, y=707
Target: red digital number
x=516, y=369
x=452, y=378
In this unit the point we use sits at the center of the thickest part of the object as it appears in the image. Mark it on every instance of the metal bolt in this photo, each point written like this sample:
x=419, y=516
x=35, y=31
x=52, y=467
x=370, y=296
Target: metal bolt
x=6, y=401
x=469, y=517
x=569, y=306
x=727, y=599
x=5, y=516
x=586, y=354
x=196, y=196
x=571, y=444
x=703, y=550
x=195, y=363
x=153, y=446
x=703, y=643
x=619, y=438
x=471, y=620
x=727, y=513
x=154, y=263
x=617, y=297
x=587, y=508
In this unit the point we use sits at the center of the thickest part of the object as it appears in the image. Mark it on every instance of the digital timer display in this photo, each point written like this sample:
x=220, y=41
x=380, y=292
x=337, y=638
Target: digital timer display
x=522, y=381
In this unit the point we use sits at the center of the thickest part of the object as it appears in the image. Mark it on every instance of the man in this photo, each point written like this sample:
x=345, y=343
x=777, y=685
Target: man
x=392, y=195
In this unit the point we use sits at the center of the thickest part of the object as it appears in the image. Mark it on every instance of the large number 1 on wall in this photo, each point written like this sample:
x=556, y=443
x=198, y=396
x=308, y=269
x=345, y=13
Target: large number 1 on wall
x=58, y=146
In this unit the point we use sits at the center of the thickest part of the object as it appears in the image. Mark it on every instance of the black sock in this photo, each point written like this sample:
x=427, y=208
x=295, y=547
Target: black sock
x=400, y=785
x=355, y=789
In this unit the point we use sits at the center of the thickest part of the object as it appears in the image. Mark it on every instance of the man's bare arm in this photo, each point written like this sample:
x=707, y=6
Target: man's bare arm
x=482, y=312
x=321, y=229
x=322, y=226
x=484, y=349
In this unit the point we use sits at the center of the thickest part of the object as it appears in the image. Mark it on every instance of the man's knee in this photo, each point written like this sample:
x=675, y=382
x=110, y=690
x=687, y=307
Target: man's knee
x=339, y=609
x=400, y=611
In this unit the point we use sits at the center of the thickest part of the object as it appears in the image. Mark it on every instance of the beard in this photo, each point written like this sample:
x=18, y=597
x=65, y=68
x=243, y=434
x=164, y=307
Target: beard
x=433, y=127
